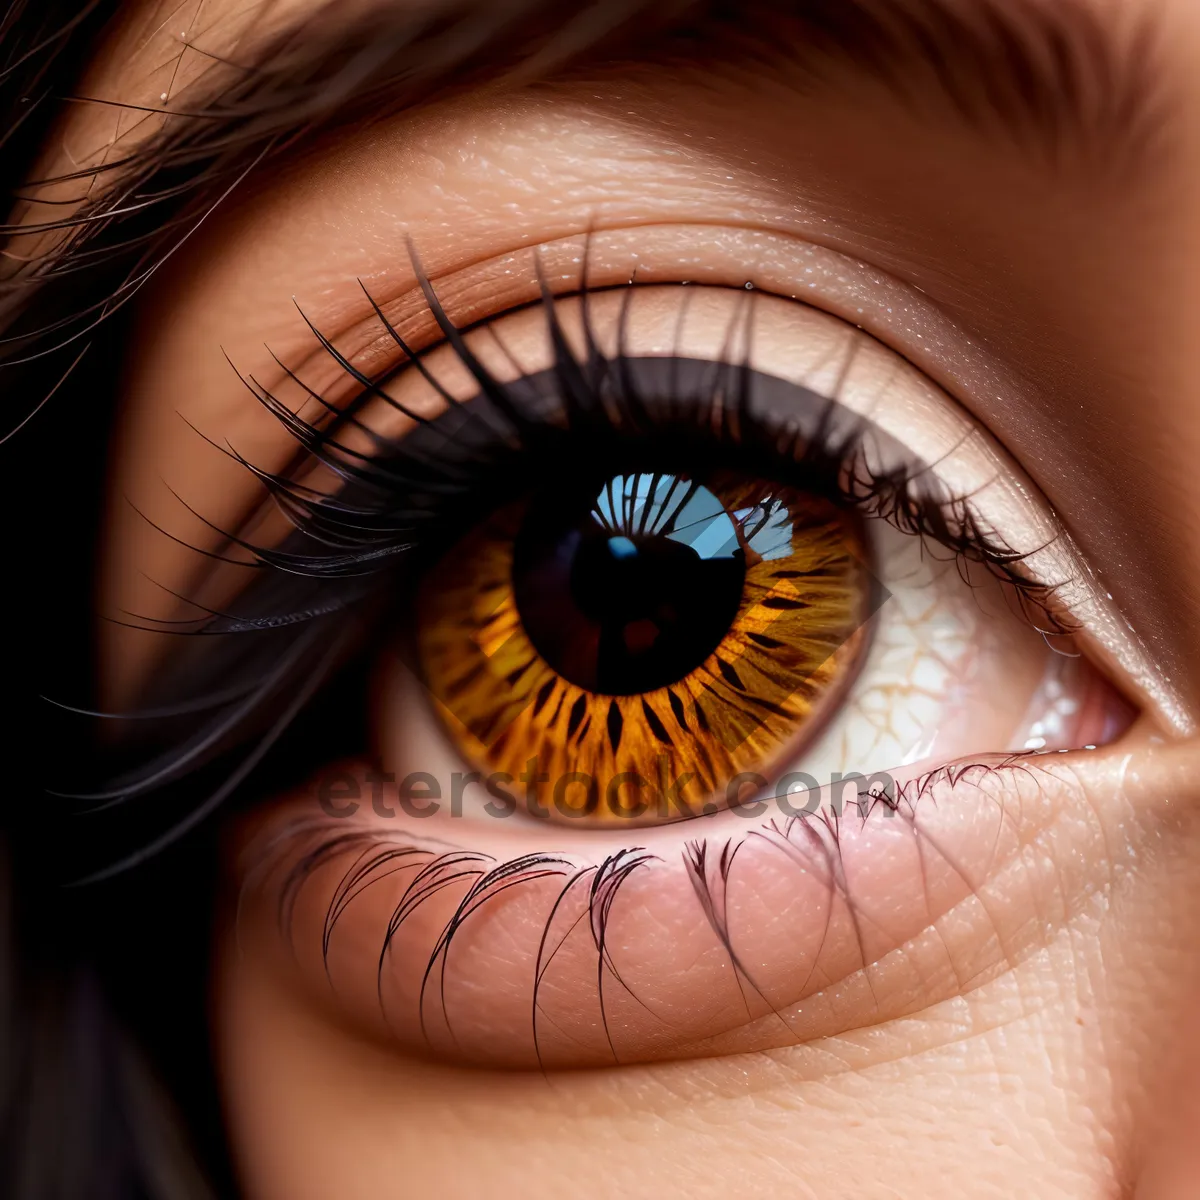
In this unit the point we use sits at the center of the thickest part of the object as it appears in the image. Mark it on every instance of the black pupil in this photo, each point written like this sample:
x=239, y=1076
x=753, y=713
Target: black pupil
x=629, y=586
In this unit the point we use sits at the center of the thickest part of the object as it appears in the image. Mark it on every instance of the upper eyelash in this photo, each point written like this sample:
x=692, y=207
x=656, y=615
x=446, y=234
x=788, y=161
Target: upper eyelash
x=360, y=544
x=339, y=548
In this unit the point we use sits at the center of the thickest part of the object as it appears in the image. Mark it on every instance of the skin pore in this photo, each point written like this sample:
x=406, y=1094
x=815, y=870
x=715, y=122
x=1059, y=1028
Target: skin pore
x=1018, y=1007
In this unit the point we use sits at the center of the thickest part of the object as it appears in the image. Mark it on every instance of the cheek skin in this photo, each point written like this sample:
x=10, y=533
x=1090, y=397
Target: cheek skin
x=1068, y=1014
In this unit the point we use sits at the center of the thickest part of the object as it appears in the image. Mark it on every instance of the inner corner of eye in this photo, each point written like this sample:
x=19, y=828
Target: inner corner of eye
x=651, y=644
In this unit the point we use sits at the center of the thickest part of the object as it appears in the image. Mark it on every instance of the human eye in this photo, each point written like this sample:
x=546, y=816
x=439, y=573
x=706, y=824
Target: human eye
x=659, y=570
x=652, y=604
x=789, y=569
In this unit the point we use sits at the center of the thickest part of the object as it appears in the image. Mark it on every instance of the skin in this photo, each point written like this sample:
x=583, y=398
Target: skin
x=1055, y=306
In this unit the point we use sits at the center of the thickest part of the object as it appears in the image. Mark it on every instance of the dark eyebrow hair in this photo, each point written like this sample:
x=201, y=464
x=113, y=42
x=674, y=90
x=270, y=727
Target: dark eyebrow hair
x=1057, y=79
x=1053, y=77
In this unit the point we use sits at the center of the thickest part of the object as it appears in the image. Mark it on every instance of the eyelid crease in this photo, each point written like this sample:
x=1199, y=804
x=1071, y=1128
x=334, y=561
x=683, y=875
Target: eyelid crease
x=649, y=252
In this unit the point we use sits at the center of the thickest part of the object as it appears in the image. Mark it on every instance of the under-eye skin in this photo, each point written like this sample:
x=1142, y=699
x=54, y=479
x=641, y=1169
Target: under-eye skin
x=593, y=827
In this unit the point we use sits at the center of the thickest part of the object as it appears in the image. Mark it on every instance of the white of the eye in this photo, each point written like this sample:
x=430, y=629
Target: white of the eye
x=954, y=669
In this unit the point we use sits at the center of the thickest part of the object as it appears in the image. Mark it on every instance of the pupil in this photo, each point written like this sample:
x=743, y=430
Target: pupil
x=631, y=586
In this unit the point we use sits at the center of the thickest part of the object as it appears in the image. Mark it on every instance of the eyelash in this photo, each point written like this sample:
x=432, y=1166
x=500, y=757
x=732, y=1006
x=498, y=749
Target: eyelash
x=812, y=840
x=602, y=405
x=397, y=509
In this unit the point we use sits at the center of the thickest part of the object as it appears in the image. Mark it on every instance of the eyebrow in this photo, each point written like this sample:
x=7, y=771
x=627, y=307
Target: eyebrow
x=1057, y=79
x=1057, y=75
x=1053, y=78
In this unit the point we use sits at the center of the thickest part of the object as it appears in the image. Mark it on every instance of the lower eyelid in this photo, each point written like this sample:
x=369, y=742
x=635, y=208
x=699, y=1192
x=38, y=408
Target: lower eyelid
x=719, y=936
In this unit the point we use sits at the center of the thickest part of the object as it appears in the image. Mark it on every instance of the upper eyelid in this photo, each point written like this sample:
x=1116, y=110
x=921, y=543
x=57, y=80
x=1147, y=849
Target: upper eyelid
x=775, y=263
x=1115, y=640
x=779, y=263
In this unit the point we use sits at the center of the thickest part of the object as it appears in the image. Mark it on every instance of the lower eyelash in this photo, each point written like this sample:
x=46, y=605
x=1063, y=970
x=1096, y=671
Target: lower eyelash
x=812, y=841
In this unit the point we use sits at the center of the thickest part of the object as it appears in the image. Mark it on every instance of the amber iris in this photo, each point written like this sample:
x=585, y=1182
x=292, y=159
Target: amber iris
x=639, y=647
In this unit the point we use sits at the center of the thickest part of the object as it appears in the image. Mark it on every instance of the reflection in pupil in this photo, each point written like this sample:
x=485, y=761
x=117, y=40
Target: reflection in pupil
x=629, y=587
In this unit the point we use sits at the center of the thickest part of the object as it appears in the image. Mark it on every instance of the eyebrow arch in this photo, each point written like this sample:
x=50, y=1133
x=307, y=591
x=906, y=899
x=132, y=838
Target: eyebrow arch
x=1074, y=86
x=1056, y=73
x=1050, y=75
